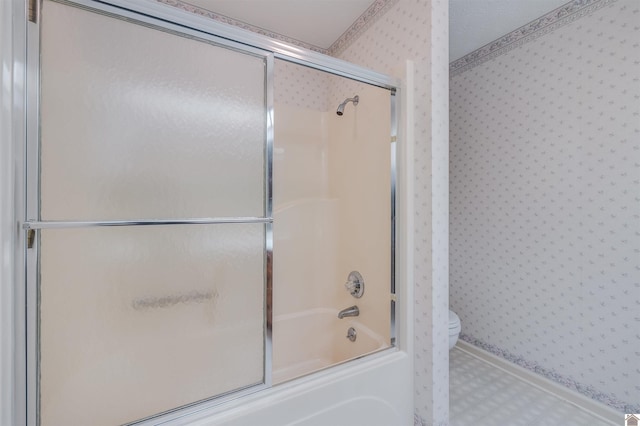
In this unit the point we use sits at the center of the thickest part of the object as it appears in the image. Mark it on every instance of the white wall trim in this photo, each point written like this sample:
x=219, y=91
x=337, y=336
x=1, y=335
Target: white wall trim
x=439, y=57
x=595, y=408
x=405, y=212
x=13, y=33
x=6, y=215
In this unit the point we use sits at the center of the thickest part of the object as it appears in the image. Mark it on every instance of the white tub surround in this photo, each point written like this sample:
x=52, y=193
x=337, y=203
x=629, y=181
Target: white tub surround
x=316, y=339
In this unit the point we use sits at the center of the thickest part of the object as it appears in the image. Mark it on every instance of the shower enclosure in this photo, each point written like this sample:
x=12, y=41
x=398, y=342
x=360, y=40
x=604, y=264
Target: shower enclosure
x=205, y=219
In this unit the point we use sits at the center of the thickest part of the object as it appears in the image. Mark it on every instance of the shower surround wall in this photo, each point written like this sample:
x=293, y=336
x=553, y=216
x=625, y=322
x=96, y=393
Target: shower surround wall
x=331, y=208
x=545, y=214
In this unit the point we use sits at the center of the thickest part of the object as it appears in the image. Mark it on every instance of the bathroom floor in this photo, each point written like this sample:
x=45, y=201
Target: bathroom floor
x=483, y=395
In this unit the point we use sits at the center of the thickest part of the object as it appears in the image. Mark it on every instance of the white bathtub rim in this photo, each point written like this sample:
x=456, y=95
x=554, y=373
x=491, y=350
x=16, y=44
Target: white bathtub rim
x=333, y=407
x=329, y=365
x=264, y=398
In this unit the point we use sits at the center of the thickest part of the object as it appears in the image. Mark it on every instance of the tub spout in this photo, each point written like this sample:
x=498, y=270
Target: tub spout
x=352, y=311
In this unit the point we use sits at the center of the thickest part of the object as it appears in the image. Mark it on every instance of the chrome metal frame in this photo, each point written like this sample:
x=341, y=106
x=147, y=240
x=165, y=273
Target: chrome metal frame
x=166, y=18
x=394, y=180
x=32, y=267
x=15, y=335
x=61, y=224
x=268, y=212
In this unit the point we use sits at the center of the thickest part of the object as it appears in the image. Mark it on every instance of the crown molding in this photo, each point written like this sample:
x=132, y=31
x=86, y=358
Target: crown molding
x=230, y=21
x=377, y=9
x=553, y=20
x=364, y=21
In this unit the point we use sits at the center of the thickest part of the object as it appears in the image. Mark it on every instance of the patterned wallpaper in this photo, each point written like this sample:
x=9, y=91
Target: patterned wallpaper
x=440, y=207
x=545, y=203
x=301, y=86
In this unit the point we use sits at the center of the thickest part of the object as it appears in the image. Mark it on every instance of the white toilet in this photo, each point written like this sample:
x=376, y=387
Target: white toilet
x=454, y=328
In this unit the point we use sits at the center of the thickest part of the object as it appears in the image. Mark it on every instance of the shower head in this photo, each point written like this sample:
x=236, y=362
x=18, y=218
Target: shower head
x=340, y=109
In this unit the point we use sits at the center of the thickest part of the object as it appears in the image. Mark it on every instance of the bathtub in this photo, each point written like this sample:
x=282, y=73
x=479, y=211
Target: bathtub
x=304, y=342
x=370, y=391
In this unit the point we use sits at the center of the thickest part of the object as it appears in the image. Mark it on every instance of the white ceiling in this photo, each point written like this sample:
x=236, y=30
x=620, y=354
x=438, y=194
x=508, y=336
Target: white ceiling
x=472, y=23
x=317, y=22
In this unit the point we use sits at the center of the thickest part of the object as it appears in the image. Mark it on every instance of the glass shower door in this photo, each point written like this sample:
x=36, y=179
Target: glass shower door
x=150, y=214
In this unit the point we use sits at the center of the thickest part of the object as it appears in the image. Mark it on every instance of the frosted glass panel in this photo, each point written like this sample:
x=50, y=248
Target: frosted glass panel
x=140, y=123
x=139, y=320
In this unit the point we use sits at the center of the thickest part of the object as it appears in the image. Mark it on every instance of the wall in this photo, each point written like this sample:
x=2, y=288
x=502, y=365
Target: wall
x=360, y=179
x=545, y=229
x=418, y=31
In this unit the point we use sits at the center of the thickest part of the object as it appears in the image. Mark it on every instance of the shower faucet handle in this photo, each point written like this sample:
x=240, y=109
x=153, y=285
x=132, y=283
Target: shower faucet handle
x=355, y=284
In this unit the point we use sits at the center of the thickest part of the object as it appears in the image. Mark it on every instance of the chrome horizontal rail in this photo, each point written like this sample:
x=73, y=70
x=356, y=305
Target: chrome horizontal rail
x=60, y=224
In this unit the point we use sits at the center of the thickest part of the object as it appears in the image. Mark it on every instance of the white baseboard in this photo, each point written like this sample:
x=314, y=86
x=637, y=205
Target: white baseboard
x=595, y=408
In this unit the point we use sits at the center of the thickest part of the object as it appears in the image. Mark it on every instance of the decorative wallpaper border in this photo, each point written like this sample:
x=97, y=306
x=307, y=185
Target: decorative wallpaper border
x=419, y=421
x=364, y=21
x=534, y=29
x=230, y=21
x=360, y=25
x=568, y=382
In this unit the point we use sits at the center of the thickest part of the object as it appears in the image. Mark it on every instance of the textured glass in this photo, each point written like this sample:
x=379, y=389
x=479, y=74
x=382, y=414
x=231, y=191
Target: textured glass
x=139, y=320
x=140, y=123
